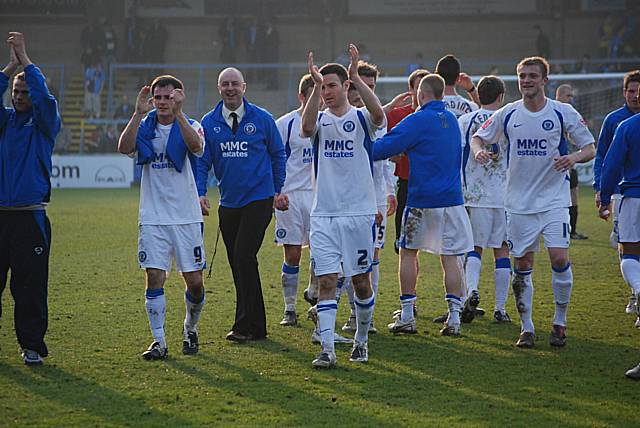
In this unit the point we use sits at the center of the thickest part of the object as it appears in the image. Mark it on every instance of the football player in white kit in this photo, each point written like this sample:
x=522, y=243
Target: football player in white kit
x=537, y=195
x=166, y=142
x=484, y=187
x=292, y=226
x=448, y=67
x=384, y=182
x=344, y=206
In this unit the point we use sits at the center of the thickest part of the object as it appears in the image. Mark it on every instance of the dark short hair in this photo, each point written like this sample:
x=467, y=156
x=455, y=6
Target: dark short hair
x=632, y=76
x=416, y=75
x=535, y=60
x=489, y=89
x=166, y=80
x=368, y=70
x=436, y=84
x=448, y=67
x=306, y=84
x=337, y=69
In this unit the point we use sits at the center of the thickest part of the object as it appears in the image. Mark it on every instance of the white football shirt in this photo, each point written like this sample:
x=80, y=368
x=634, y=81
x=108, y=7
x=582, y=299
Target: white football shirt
x=482, y=185
x=459, y=105
x=343, y=167
x=166, y=195
x=383, y=178
x=299, y=153
x=535, y=139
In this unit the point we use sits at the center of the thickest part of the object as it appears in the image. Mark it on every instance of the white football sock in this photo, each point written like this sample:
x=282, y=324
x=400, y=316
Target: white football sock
x=406, y=303
x=156, y=305
x=502, y=279
x=193, y=310
x=364, y=313
x=454, y=304
x=290, y=286
x=561, y=282
x=472, y=271
x=630, y=267
x=523, y=292
x=326, y=323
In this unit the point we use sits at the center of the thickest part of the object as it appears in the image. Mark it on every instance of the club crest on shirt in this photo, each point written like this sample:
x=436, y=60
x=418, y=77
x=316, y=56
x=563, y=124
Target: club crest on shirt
x=38, y=250
x=249, y=129
x=281, y=233
x=349, y=126
x=142, y=256
x=547, y=125
x=216, y=129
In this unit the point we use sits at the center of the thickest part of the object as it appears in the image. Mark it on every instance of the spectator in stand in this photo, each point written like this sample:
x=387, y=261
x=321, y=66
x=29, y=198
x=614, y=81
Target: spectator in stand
x=418, y=63
x=543, y=45
x=156, y=41
x=251, y=45
x=92, y=36
x=124, y=109
x=110, y=46
x=227, y=36
x=131, y=35
x=270, y=52
x=93, y=82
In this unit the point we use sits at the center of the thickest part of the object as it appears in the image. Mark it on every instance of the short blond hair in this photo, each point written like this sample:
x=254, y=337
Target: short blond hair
x=435, y=83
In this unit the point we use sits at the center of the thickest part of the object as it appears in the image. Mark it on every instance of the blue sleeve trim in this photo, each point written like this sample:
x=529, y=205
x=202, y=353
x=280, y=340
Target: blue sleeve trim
x=563, y=146
x=506, y=133
x=287, y=146
x=467, y=149
x=368, y=144
x=635, y=257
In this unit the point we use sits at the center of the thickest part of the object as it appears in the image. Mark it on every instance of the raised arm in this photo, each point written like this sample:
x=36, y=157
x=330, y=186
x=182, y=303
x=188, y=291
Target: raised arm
x=127, y=141
x=310, y=113
x=45, y=107
x=7, y=72
x=189, y=135
x=370, y=100
x=467, y=84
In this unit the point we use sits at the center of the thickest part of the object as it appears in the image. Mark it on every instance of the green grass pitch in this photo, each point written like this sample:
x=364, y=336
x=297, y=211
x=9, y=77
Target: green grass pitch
x=98, y=329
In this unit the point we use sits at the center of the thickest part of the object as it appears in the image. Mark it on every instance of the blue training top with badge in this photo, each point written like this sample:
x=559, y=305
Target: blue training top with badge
x=26, y=144
x=250, y=165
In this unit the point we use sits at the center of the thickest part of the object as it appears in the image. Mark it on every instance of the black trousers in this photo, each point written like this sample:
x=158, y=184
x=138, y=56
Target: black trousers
x=401, y=198
x=25, y=241
x=243, y=231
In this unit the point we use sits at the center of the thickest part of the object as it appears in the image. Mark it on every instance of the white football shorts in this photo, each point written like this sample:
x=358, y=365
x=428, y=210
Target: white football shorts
x=629, y=220
x=347, y=240
x=524, y=230
x=489, y=226
x=292, y=225
x=442, y=231
x=158, y=245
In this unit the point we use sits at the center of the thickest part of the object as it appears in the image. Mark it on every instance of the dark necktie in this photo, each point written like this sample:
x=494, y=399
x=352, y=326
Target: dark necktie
x=234, y=126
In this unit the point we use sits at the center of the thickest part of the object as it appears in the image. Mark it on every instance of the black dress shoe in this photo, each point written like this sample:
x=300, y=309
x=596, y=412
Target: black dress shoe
x=234, y=336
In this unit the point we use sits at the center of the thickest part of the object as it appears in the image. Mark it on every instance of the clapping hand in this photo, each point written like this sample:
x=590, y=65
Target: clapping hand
x=313, y=70
x=143, y=101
